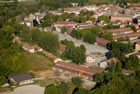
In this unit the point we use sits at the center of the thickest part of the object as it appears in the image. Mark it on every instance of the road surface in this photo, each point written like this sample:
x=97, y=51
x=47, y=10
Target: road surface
x=27, y=89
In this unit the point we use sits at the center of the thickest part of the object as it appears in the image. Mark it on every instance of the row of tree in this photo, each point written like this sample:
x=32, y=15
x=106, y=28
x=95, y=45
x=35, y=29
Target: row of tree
x=89, y=35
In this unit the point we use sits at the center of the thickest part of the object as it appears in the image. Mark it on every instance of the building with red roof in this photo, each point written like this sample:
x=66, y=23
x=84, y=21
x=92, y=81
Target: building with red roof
x=102, y=42
x=73, y=68
x=131, y=36
x=62, y=47
x=119, y=31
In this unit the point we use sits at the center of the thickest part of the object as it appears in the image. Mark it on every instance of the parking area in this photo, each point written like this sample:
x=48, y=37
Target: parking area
x=96, y=51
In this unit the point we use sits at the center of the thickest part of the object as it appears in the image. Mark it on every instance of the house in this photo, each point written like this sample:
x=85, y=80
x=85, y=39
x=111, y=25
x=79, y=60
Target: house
x=39, y=49
x=138, y=20
x=89, y=8
x=102, y=42
x=134, y=4
x=127, y=72
x=106, y=63
x=119, y=31
x=75, y=10
x=27, y=22
x=62, y=47
x=103, y=64
x=50, y=55
x=138, y=54
x=17, y=39
x=122, y=18
x=137, y=46
x=89, y=60
x=28, y=47
x=76, y=69
x=131, y=36
x=67, y=24
x=69, y=30
x=21, y=78
x=47, y=29
x=56, y=13
x=124, y=24
x=84, y=25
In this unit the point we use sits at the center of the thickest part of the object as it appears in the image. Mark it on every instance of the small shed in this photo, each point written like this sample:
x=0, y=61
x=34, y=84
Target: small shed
x=21, y=78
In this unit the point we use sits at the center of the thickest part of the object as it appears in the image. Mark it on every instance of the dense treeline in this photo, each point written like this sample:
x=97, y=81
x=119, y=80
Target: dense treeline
x=11, y=56
x=117, y=49
x=47, y=40
x=89, y=35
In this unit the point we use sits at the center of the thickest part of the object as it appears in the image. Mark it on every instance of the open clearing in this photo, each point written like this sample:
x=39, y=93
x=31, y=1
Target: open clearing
x=37, y=62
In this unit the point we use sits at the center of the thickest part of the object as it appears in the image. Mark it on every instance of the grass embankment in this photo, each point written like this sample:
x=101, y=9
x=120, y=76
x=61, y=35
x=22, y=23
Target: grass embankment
x=37, y=62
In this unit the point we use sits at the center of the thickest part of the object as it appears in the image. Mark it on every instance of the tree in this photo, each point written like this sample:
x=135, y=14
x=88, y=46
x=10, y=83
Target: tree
x=132, y=63
x=99, y=78
x=104, y=18
x=76, y=34
x=48, y=20
x=118, y=66
x=110, y=26
x=64, y=86
x=77, y=81
x=48, y=41
x=83, y=91
x=96, y=30
x=68, y=43
x=108, y=36
x=63, y=29
x=53, y=90
x=90, y=38
x=83, y=48
x=76, y=54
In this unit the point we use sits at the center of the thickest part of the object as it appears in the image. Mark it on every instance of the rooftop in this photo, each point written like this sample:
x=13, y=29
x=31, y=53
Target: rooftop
x=21, y=77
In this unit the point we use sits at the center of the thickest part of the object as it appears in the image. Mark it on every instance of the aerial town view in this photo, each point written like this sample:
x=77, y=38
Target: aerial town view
x=69, y=46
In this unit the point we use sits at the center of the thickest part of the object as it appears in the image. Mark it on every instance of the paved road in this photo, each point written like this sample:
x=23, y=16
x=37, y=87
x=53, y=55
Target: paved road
x=27, y=89
x=91, y=49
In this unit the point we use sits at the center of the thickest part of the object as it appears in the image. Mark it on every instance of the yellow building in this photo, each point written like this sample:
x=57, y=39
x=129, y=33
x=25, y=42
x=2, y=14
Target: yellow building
x=139, y=20
x=121, y=18
x=137, y=46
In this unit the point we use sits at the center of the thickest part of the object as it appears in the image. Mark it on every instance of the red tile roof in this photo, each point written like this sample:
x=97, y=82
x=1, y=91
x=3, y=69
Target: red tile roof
x=50, y=55
x=76, y=68
x=117, y=30
x=130, y=35
x=111, y=60
x=101, y=41
x=62, y=47
x=66, y=23
x=138, y=42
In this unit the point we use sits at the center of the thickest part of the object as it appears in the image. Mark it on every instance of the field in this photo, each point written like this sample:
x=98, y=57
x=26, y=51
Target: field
x=38, y=62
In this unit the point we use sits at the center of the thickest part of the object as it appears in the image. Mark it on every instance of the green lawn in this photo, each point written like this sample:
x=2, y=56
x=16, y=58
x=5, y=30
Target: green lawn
x=48, y=81
x=38, y=62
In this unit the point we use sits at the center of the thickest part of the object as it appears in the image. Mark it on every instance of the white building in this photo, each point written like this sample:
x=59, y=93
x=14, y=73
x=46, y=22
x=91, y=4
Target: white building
x=103, y=65
x=28, y=47
x=90, y=60
x=89, y=8
x=21, y=78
